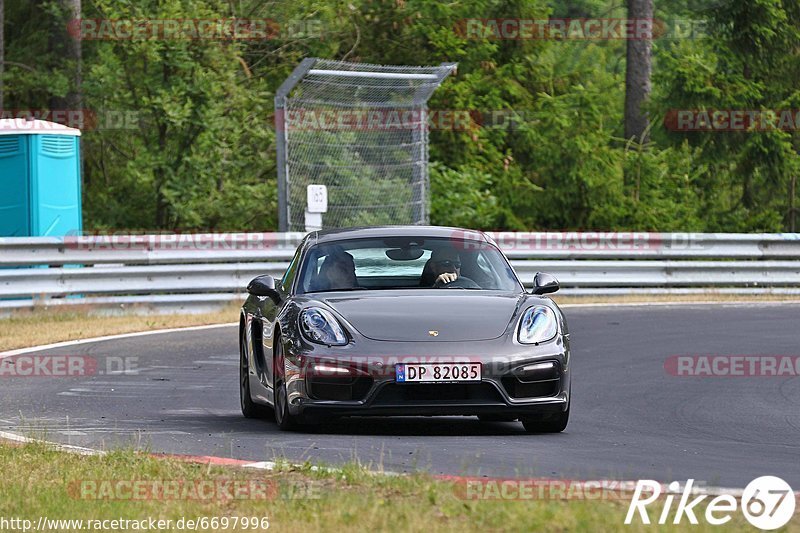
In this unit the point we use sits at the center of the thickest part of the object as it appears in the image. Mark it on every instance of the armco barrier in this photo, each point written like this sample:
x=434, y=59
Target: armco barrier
x=200, y=271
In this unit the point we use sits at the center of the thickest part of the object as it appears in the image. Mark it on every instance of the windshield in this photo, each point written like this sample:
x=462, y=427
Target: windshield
x=406, y=263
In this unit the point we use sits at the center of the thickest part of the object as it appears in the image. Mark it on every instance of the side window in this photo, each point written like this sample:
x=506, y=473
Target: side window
x=291, y=271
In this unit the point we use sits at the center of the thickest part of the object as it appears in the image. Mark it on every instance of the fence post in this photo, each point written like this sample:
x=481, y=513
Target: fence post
x=281, y=143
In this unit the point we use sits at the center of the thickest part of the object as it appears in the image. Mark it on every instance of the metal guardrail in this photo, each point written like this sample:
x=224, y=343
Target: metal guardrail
x=148, y=249
x=201, y=271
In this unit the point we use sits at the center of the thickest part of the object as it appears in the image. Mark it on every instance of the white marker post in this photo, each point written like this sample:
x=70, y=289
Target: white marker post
x=317, y=203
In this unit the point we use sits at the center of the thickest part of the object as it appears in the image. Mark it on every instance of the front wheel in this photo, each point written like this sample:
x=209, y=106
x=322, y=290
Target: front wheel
x=554, y=423
x=283, y=418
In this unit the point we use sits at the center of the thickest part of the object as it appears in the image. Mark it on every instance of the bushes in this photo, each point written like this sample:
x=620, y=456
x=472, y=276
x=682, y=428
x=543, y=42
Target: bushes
x=202, y=156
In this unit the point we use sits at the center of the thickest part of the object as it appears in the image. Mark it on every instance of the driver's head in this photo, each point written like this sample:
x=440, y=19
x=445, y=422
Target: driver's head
x=445, y=260
x=339, y=268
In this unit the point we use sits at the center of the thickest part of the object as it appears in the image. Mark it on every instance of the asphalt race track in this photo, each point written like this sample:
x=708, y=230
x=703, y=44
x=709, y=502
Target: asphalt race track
x=630, y=418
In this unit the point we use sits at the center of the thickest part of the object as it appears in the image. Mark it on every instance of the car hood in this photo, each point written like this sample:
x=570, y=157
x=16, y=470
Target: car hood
x=461, y=316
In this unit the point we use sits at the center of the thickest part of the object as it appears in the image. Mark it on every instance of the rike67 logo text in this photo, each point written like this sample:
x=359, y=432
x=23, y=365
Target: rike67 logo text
x=767, y=502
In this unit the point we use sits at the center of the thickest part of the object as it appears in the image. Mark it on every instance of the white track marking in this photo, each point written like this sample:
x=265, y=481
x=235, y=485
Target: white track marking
x=60, y=447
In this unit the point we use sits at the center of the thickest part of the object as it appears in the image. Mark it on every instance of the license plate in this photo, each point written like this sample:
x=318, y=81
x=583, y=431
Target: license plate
x=438, y=372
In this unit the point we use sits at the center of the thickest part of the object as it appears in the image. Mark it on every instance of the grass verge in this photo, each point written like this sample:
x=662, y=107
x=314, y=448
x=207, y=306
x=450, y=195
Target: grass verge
x=45, y=326
x=39, y=482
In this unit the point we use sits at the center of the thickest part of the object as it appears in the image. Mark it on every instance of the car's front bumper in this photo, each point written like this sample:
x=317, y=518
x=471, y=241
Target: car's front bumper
x=503, y=390
x=317, y=409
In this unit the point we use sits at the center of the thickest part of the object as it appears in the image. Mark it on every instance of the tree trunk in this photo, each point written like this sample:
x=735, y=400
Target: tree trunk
x=637, y=72
x=75, y=97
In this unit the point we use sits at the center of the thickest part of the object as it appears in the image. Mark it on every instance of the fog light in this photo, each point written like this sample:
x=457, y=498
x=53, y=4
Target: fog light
x=544, y=371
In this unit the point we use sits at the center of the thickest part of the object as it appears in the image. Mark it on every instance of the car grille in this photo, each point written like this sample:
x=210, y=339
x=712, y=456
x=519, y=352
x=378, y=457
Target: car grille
x=516, y=389
x=437, y=393
x=337, y=388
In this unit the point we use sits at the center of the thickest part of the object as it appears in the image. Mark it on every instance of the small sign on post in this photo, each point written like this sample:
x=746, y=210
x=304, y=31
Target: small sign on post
x=317, y=196
x=317, y=203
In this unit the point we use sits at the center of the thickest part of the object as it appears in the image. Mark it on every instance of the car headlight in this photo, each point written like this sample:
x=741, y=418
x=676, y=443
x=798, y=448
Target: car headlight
x=320, y=326
x=538, y=324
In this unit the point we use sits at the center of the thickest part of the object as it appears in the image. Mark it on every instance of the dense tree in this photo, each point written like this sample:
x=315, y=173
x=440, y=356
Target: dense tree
x=750, y=62
x=67, y=51
x=185, y=140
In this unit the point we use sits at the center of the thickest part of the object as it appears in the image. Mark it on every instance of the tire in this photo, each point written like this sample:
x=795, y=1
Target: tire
x=555, y=423
x=283, y=418
x=250, y=409
x=497, y=418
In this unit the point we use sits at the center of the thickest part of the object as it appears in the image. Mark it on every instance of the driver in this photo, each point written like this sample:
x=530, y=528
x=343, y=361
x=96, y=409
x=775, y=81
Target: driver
x=338, y=271
x=446, y=265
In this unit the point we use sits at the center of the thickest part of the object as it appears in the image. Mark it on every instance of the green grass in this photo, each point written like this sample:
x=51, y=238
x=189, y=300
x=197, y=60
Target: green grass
x=44, y=326
x=37, y=481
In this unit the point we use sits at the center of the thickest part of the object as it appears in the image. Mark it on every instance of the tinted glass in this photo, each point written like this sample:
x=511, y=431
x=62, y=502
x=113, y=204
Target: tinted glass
x=291, y=272
x=403, y=263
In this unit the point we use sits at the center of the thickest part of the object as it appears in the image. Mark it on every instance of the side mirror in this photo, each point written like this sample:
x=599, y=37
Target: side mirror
x=544, y=283
x=263, y=286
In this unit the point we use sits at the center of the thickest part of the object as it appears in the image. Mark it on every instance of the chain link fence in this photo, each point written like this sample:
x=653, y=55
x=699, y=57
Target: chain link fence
x=360, y=130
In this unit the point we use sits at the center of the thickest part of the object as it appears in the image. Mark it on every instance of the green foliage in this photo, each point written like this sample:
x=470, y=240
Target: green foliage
x=546, y=154
x=200, y=156
x=468, y=193
x=750, y=61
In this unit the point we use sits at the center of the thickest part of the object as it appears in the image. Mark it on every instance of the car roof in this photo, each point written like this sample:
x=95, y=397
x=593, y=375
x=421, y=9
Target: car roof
x=340, y=234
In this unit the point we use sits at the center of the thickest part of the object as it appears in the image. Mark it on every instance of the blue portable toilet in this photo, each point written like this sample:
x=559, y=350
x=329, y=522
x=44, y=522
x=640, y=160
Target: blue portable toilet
x=40, y=179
